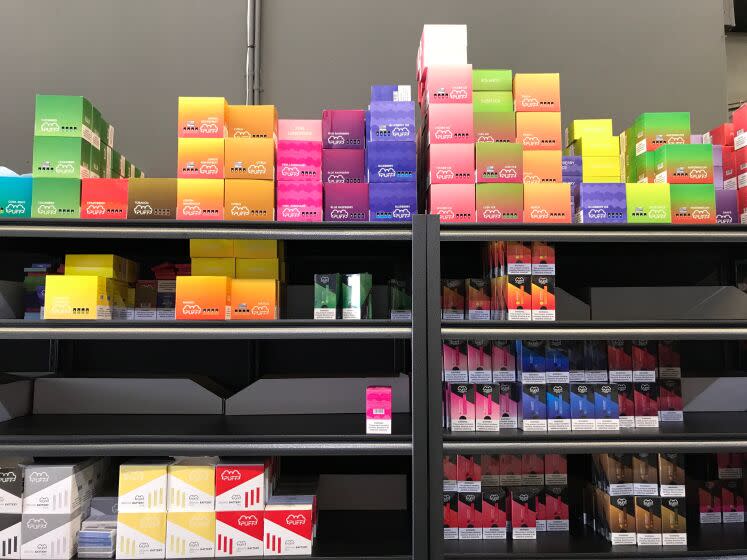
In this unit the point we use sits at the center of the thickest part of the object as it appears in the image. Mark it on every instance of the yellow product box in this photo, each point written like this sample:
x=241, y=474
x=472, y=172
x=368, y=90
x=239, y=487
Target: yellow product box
x=119, y=295
x=78, y=297
x=254, y=299
x=211, y=248
x=108, y=266
x=190, y=534
x=141, y=535
x=594, y=145
x=191, y=483
x=580, y=127
x=600, y=166
x=258, y=249
x=203, y=298
x=271, y=269
x=594, y=179
x=214, y=266
x=142, y=487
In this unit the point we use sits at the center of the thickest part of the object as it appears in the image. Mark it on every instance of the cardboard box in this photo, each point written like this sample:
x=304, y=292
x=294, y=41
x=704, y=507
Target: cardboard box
x=532, y=469
x=684, y=163
x=343, y=166
x=693, y=204
x=15, y=197
x=730, y=466
x=499, y=162
x=272, y=269
x=63, y=115
x=606, y=407
x=151, y=199
x=450, y=163
x=343, y=129
x=258, y=248
x=643, y=359
x=448, y=84
x=199, y=248
x=391, y=162
x=600, y=203
x=395, y=202
x=499, y=202
x=587, y=127
x=556, y=469
x=493, y=102
x=249, y=200
x=722, y=135
x=289, y=526
x=533, y=409
x=492, y=80
x=327, y=296
x=477, y=300
x=142, y=487
x=572, y=167
x=379, y=410
x=648, y=520
x=390, y=121
x=202, y=117
x=346, y=203
x=537, y=92
x=108, y=266
x=190, y=534
x=646, y=399
x=449, y=124
x=205, y=298
x=494, y=126
x=595, y=361
x=462, y=407
x=240, y=486
x=557, y=362
x=619, y=515
x=454, y=203
x=55, y=487
x=648, y=203
x=653, y=130
x=254, y=299
x=299, y=160
x=596, y=146
x=493, y=513
x=524, y=512
x=399, y=93
x=620, y=361
x=547, y=203
x=55, y=198
x=601, y=166
x=487, y=407
x=451, y=515
x=78, y=297
x=11, y=489
x=470, y=515
x=10, y=535
x=141, y=535
x=674, y=522
x=251, y=121
x=517, y=295
x=543, y=166
x=239, y=533
x=709, y=502
x=543, y=298
x=199, y=199
x=558, y=407
x=508, y=403
x=200, y=158
x=539, y=131
x=103, y=199
x=491, y=470
x=299, y=201
x=583, y=412
x=249, y=158
x=469, y=473
x=49, y=536
x=732, y=501
x=61, y=158
x=214, y=266
x=191, y=481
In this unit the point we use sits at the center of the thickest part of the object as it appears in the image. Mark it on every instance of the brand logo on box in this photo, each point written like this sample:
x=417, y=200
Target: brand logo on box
x=291, y=213
x=597, y=214
x=335, y=139
x=400, y=131
x=65, y=168
x=387, y=171
x=260, y=310
x=229, y=475
x=531, y=141
x=191, y=210
x=529, y=101
x=443, y=134
x=6, y=477
x=622, y=502
x=507, y=173
x=240, y=211
x=143, y=209
x=701, y=214
x=15, y=209
x=50, y=126
x=242, y=134
x=339, y=213
x=531, y=178
x=256, y=169
x=248, y=521
x=290, y=172
x=723, y=218
x=336, y=179
x=539, y=213
x=296, y=519
x=208, y=169
x=657, y=213
x=447, y=214
x=492, y=213
x=96, y=209
x=209, y=128
x=698, y=173
x=648, y=502
x=36, y=523
x=401, y=213
x=458, y=92
x=582, y=389
x=39, y=477
x=534, y=389
x=191, y=309
x=676, y=139
x=444, y=174
x=523, y=497
x=485, y=138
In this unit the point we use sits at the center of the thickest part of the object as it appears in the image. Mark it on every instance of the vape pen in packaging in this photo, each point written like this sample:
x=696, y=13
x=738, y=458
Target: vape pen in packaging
x=532, y=469
x=673, y=522
x=541, y=519
x=452, y=300
x=509, y=395
x=543, y=258
x=732, y=501
x=557, y=513
x=493, y=513
x=648, y=520
x=451, y=515
x=470, y=515
x=533, y=410
x=576, y=361
x=672, y=475
x=518, y=297
x=595, y=356
x=450, y=472
x=479, y=361
x=669, y=359
x=356, y=296
x=462, y=407
x=709, y=501
x=558, y=407
x=670, y=401
x=645, y=474
x=491, y=470
x=503, y=361
x=478, y=299
x=543, y=298
x=556, y=469
x=557, y=362
x=524, y=512
x=469, y=473
x=530, y=361
x=582, y=406
x=456, y=363
x=327, y=296
x=606, y=407
x=730, y=465
x=621, y=520
x=626, y=405
x=487, y=408
x=400, y=301
x=646, y=399
x=615, y=473
x=620, y=361
x=511, y=469
x=519, y=258
x=644, y=361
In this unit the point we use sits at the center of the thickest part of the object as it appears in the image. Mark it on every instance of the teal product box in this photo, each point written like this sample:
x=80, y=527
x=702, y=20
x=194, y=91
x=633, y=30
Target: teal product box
x=356, y=296
x=15, y=197
x=63, y=115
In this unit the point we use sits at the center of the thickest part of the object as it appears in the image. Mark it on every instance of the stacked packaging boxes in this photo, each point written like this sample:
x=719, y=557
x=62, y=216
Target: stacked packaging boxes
x=593, y=141
x=721, y=499
x=724, y=172
x=391, y=154
x=299, y=162
x=739, y=162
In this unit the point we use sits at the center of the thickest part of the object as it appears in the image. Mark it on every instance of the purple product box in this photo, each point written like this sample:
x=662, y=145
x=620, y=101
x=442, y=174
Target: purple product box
x=391, y=162
x=393, y=202
x=600, y=203
x=391, y=121
x=718, y=155
x=727, y=208
x=346, y=202
x=718, y=178
x=344, y=129
x=696, y=139
x=391, y=93
x=572, y=167
x=343, y=166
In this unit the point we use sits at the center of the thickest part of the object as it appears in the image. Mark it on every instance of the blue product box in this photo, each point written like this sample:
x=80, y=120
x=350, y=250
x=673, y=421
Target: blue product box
x=391, y=93
x=606, y=410
x=392, y=202
x=15, y=197
x=572, y=167
x=557, y=362
x=558, y=407
x=533, y=409
x=530, y=361
x=583, y=411
x=599, y=203
x=391, y=121
x=595, y=360
x=391, y=162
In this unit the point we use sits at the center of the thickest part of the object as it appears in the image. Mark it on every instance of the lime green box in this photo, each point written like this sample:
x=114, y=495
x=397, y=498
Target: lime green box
x=645, y=168
x=653, y=130
x=580, y=127
x=61, y=157
x=492, y=80
x=693, y=203
x=648, y=203
x=492, y=101
x=63, y=115
x=55, y=198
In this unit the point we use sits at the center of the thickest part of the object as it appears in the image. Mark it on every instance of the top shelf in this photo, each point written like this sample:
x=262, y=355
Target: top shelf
x=173, y=229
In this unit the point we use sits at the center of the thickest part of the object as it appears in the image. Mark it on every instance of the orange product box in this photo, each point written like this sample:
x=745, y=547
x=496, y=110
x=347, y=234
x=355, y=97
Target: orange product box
x=543, y=297
x=547, y=204
x=203, y=298
x=537, y=93
x=254, y=299
x=200, y=158
x=252, y=121
x=249, y=158
x=199, y=199
x=202, y=117
x=249, y=200
x=539, y=131
x=543, y=166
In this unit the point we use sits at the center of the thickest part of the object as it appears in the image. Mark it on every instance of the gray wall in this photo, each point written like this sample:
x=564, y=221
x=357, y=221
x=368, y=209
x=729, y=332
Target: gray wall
x=736, y=58
x=134, y=58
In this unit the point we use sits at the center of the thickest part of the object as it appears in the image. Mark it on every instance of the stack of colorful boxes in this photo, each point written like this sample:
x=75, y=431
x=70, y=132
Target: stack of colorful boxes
x=739, y=163
x=299, y=162
x=724, y=172
x=688, y=170
x=593, y=141
x=391, y=155
x=343, y=165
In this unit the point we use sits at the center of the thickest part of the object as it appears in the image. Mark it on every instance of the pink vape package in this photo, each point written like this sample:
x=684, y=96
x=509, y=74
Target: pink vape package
x=308, y=130
x=510, y=469
x=470, y=515
x=493, y=513
x=299, y=201
x=479, y=361
x=487, y=408
x=450, y=472
x=378, y=410
x=299, y=160
x=532, y=469
x=448, y=84
x=451, y=163
x=503, y=361
x=450, y=123
x=462, y=407
x=456, y=361
x=508, y=401
x=469, y=473
x=454, y=203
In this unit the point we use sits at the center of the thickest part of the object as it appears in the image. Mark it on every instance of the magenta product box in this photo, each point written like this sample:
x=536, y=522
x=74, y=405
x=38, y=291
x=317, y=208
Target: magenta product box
x=390, y=121
x=299, y=201
x=600, y=203
x=572, y=167
x=299, y=160
x=392, y=202
x=346, y=203
x=344, y=129
x=391, y=162
x=343, y=166
x=727, y=208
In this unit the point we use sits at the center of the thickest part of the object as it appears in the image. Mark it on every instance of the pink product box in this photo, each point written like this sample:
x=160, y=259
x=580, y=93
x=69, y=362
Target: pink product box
x=299, y=160
x=487, y=408
x=309, y=130
x=454, y=203
x=451, y=163
x=379, y=410
x=346, y=203
x=450, y=123
x=448, y=84
x=299, y=201
x=344, y=129
x=343, y=166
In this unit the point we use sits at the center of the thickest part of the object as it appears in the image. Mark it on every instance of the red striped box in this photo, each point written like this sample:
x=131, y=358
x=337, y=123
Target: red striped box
x=239, y=533
x=289, y=526
x=240, y=487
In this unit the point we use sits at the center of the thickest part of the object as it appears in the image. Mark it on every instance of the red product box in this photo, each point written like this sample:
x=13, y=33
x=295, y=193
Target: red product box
x=494, y=513
x=740, y=165
x=543, y=258
x=524, y=512
x=532, y=469
x=730, y=465
x=543, y=298
x=620, y=360
x=469, y=473
x=239, y=533
x=669, y=360
x=487, y=408
x=103, y=199
x=450, y=124
x=556, y=513
x=670, y=400
x=511, y=468
x=518, y=257
x=646, y=399
x=239, y=487
x=470, y=515
x=742, y=201
x=739, y=121
x=732, y=501
x=491, y=470
x=451, y=515
x=729, y=164
x=450, y=472
x=644, y=360
x=556, y=469
x=289, y=528
x=723, y=135
x=709, y=501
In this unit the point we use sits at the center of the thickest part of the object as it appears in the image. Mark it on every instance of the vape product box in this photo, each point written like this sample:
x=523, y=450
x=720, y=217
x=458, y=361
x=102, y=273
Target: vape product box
x=542, y=166
x=518, y=258
x=470, y=515
x=509, y=395
x=531, y=362
x=645, y=474
x=626, y=404
x=587, y=127
x=499, y=202
x=730, y=466
x=653, y=130
x=533, y=410
x=456, y=361
x=557, y=362
x=240, y=486
x=469, y=473
x=450, y=83
x=669, y=360
x=517, y=295
x=290, y=525
x=620, y=519
x=452, y=299
x=249, y=158
x=389, y=162
x=10, y=535
x=537, y=92
x=479, y=355
x=392, y=202
x=63, y=115
x=78, y=297
x=239, y=533
x=441, y=44
x=62, y=158
x=600, y=203
x=672, y=475
x=670, y=401
x=547, y=203
x=646, y=399
x=55, y=198
x=299, y=201
x=451, y=515
x=493, y=513
x=202, y=117
x=199, y=199
x=596, y=146
x=213, y=266
x=389, y=120
x=583, y=410
x=356, y=296
x=451, y=163
x=107, y=265
x=246, y=248
x=727, y=207
x=346, y=203
x=493, y=102
x=709, y=501
x=190, y=534
x=510, y=469
x=684, y=163
x=327, y=296
x=503, y=361
x=615, y=473
x=674, y=521
x=643, y=354
x=11, y=488
x=572, y=167
x=732, y=501
x=644, y=167
x=558, y=407
x=596, y=167
x=254, y=299
x=722, y=135
x=166, y=300
x=576, y=360
x=543, y=298
x=343, y=128
x=453, y=203
x=450, y=472
x=200, y=158
x=102, y=199
x=556, y=469
x=251, y=121
x=491, y=80
x=693, y=204
x=543, y=258
x=379, y=410
x=557, y=514
x=539, y=131
x=524, y=512
x=648, y=203
x=532, y=469
x=142, y=487
x=299, y=160
x=648, y=520
x=203, y=298
x=249, y=200
x=343, y=166
x=487, y=407
x=267, y=269
x=491, y=470
x=151, y=199
x=620, y=361
x=191, y=483
x=499, y=162
x=15, y=197
x=449, y=124
x=494, y=126
x=595, y=359
x=462, y=407
x=606, y=407
x=50, y=536
x=729, y=167
x=478, y=299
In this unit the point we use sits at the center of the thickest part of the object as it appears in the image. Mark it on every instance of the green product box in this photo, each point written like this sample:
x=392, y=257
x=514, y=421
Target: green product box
x=494, y=126
x=356, y=296
x=139, y=173
x=96, y=121
x=55, y=198
x=327, y=296
x=645, y=168
x=693, y=203
x=684, y=163
x=64, y=158
x=496, y=101
x=653, y=130
x=127, y=169
x=63, y=115
x=648, y=203
x=116, y=164
x=96, y=167
x=492, y=80
x=400, y=301
x=106, y=133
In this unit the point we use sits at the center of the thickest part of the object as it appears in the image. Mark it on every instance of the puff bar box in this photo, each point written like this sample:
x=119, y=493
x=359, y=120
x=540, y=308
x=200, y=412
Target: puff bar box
x=240, y=486
x=103, y=199
x=392, y=202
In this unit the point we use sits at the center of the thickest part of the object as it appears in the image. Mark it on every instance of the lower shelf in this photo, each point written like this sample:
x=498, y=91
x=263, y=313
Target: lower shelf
x=721, y=541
